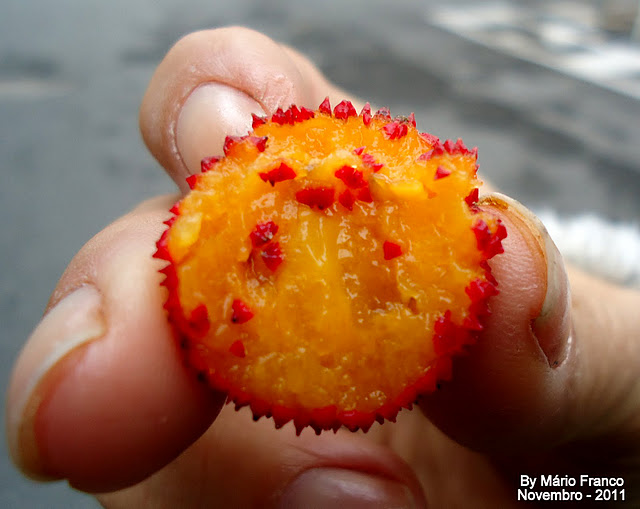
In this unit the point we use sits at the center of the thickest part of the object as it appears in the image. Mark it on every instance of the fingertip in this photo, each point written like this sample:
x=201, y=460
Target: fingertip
x=533, y=257
x=506, y=392
x=76, y=320
x=249, y=71
x=210, y=83
x=101, y=395
x=212, y=112
x=106, y=431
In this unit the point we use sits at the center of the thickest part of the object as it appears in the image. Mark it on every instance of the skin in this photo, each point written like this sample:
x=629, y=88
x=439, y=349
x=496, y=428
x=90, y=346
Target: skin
x=99, y=395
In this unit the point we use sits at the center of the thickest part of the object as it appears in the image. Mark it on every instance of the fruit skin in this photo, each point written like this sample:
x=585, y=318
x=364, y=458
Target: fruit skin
x=449, y=338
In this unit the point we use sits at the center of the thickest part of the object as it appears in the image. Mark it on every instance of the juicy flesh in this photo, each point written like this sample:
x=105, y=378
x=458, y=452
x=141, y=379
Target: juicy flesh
x=334, y=321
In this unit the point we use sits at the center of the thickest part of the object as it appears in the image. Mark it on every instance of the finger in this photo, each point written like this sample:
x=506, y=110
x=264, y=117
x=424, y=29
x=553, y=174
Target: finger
x=99, y=394
x=542, y=372
x=241, y=463
x=209, y=84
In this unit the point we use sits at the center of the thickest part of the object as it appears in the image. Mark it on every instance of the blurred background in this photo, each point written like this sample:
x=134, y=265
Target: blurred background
x=548, y=90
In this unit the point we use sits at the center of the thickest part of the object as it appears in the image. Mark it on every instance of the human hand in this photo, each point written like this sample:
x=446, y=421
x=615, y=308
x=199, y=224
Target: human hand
x=100, y=396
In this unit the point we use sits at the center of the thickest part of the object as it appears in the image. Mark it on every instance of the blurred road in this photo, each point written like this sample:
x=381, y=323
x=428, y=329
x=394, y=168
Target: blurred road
x=556, y=129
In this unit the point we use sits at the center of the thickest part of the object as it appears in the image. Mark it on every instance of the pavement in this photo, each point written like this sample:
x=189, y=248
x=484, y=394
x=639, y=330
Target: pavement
x=555, y=128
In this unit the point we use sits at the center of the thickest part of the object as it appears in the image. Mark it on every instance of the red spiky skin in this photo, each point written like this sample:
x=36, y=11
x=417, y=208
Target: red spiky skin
x=391, y=250
x=350, y=193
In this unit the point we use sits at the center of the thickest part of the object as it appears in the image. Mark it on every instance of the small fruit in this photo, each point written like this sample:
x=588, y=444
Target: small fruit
x=328, y=267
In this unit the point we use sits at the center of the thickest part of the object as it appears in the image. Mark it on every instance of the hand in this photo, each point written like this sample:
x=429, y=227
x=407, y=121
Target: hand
x=100, y=396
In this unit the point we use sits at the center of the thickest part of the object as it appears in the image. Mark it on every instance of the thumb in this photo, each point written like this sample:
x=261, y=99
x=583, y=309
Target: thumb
x=99, y=394
x=551, y=366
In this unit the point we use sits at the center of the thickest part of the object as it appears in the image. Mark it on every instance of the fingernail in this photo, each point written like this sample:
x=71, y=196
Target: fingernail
x=552, y=326
x=210, y=113
x=347, y=489
x=74, y=321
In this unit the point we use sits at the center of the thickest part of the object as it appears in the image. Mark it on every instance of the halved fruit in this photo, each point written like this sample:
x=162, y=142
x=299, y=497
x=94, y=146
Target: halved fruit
x=326, y=269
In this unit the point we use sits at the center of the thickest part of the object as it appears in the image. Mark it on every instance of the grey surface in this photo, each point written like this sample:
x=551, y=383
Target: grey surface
x=72, y=74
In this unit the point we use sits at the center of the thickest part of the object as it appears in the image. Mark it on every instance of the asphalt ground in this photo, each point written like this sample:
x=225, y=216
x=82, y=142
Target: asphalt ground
x=72, y=74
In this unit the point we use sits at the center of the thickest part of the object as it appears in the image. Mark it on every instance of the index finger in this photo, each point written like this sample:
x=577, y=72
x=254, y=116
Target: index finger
x=209, y=84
